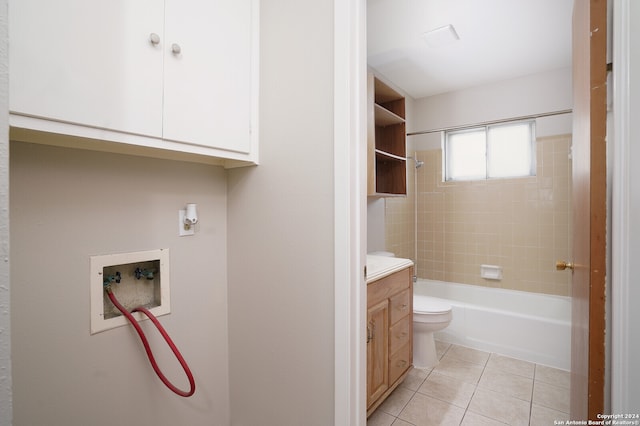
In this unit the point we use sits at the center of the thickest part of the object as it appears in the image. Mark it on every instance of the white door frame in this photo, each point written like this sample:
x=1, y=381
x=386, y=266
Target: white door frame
x=625, y=238
x=6, y=407
x=350, y=210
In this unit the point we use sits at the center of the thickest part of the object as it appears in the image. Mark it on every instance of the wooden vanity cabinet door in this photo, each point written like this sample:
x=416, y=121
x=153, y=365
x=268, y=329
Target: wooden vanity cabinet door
x=377, y=351
x=389, y=334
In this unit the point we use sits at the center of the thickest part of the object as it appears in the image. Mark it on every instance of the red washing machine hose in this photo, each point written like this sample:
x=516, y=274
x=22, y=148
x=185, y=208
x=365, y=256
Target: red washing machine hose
x=147, y=348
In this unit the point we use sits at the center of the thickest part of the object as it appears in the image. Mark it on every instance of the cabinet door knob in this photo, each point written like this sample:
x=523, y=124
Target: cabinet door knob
x=154, y=39
x=175, y=48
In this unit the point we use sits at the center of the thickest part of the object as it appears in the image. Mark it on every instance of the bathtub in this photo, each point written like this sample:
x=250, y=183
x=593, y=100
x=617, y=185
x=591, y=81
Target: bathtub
x=528, y=326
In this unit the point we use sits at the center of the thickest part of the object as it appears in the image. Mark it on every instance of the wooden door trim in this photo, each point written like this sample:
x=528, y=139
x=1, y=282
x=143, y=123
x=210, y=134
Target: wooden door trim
x=590, y=41
x=597, y=298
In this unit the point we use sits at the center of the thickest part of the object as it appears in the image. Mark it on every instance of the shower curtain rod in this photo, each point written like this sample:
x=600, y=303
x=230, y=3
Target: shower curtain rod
x=488, y=123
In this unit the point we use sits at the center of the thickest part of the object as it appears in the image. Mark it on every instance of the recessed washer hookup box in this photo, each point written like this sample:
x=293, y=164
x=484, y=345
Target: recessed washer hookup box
x=136, y=279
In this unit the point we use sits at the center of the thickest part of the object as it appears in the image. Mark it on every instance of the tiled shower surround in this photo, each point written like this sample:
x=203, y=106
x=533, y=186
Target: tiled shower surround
x=521, y=224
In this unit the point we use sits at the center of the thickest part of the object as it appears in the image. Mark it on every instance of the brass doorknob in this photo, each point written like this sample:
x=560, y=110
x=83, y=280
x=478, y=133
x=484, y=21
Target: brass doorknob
x=561, y=265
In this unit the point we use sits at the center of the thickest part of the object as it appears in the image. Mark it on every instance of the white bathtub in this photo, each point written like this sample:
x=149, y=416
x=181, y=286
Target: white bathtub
x=528, y=326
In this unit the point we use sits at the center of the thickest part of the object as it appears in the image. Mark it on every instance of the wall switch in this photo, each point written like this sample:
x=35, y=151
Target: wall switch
x=182, y=231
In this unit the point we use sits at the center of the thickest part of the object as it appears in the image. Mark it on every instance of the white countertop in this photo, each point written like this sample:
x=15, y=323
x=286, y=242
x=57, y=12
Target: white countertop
x=381, y=266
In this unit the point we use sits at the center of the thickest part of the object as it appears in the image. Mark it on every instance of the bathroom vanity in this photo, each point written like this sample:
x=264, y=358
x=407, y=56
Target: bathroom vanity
x=389, y=326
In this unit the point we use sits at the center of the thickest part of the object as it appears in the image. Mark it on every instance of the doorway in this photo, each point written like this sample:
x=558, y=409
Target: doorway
x=411, y=209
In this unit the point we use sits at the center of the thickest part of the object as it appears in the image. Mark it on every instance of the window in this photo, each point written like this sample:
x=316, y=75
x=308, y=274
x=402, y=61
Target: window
x=495, y=151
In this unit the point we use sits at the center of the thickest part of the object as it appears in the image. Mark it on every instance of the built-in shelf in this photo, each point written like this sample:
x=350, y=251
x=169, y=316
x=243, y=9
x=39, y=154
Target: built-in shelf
x=389, y=156
x=384, y=117
x=387, y=164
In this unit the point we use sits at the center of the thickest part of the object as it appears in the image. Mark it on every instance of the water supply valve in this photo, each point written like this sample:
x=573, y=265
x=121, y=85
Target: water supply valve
x=147, y=273
x=110, y=279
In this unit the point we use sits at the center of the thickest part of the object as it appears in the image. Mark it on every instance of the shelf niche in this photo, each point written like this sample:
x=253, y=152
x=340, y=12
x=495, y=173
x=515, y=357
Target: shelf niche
x=386, y=138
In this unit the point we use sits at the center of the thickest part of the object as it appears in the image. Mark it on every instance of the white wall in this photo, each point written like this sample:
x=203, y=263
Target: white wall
x=6, y=412
x=533, y=94
x=375, y=224
x=281, y=235
x=67, y=205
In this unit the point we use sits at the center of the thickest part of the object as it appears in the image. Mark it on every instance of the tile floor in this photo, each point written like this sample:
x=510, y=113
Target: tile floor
x=471, y=387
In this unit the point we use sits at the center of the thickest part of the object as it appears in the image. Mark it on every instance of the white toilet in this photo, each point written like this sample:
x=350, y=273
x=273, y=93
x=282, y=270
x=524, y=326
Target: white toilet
x=429, y=315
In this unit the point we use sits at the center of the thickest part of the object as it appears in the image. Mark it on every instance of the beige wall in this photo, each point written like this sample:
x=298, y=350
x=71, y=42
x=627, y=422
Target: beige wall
x=519, y=224
x=400, y=217
x=67, y=205
x=281, y=230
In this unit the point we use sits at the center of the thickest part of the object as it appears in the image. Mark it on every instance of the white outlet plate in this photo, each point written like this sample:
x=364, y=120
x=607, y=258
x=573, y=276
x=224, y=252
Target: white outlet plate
x=127, y=261
x=181, y=231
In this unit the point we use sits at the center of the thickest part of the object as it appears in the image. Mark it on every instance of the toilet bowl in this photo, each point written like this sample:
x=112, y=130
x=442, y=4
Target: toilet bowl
x=429, y=315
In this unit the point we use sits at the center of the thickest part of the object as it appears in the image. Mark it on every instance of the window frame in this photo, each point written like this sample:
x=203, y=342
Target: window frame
x=485, y=130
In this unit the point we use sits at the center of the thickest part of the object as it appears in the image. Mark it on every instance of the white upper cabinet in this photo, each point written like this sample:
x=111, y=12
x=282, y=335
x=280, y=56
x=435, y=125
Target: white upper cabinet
x=178, y=75
x=208, y=84
x=88, y=62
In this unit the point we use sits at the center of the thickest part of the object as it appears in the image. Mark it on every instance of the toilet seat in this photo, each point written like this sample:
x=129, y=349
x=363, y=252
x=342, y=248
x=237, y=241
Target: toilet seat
x=430, y=305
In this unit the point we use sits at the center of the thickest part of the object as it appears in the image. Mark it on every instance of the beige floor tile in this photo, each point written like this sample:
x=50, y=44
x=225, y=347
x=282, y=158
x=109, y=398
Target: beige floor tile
x=550, y=396
x=473, y=419
x=511, y=365
x=415, y=378
x=462, y=370
x=423, y=410
x=543, y=416
x=468, y=354
x=441, y=348
x=506, y=383
x=500, y=407
x=448, y=389
x=396, y=401
x=380, y=418
x=494, y=389
x=399, y=422
x=553, y=376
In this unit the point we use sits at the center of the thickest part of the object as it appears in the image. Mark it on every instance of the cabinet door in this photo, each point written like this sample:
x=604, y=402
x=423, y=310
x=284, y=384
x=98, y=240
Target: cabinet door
x=377, y=351
x=207, y=95
x=88, y=62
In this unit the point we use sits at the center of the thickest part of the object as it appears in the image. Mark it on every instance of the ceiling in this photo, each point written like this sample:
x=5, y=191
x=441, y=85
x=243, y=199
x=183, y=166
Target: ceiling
x=498, y=40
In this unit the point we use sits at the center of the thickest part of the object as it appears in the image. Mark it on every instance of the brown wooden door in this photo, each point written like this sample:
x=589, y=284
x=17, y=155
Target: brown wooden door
x=589, y=208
